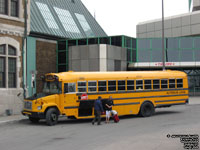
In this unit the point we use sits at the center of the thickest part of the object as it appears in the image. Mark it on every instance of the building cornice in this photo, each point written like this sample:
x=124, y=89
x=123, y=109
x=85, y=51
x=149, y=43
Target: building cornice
x=11, y=30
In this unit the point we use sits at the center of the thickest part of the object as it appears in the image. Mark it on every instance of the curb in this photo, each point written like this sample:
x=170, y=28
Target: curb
x=10, y=121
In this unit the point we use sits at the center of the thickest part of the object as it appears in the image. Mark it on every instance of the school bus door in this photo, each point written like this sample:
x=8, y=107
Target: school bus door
x=69, y=100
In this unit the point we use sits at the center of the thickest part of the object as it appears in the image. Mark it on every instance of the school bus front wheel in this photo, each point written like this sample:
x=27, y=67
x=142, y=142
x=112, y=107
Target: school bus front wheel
x=52, y=116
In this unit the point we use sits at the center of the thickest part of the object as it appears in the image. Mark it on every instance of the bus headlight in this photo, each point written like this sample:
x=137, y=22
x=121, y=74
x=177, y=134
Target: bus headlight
x=39, y=107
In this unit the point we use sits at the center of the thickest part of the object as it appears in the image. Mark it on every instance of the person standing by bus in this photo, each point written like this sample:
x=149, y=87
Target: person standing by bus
x=98, y=108
x=108, y=107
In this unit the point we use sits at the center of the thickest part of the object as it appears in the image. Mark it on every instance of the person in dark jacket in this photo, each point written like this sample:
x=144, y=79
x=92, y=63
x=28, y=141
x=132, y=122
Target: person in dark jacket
x=98, y=108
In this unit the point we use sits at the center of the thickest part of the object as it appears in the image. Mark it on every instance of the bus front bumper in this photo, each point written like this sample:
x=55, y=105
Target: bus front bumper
x=40, y=115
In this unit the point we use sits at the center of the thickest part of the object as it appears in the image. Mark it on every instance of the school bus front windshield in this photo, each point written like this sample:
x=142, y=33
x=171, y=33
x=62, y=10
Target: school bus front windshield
x=52, y=87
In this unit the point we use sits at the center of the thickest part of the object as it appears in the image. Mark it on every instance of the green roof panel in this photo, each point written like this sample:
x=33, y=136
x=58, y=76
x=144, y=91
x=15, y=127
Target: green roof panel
x=63, y=19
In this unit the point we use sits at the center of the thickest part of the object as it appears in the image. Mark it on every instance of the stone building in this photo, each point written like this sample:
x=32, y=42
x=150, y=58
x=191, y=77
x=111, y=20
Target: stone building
x=12, y=23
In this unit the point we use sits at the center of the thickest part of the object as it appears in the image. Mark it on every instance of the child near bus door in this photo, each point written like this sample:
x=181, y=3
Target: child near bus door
x=108, y=107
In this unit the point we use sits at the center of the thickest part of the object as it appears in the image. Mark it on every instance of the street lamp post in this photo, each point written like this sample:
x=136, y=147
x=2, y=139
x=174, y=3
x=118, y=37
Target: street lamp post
x=163, y=36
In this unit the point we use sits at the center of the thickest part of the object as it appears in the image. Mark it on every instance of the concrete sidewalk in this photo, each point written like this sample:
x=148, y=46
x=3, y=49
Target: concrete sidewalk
x=9, y=119
x=13, y=118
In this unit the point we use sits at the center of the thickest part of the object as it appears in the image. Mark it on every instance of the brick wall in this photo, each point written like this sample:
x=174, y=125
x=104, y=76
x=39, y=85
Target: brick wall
x=45, y=60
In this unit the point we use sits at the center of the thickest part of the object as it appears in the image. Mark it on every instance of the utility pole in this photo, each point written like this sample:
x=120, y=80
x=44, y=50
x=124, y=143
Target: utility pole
x=24, y=73
x=163, y=37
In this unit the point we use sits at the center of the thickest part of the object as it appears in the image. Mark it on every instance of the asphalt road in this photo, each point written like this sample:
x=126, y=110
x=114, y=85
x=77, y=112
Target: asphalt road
x=131, y=133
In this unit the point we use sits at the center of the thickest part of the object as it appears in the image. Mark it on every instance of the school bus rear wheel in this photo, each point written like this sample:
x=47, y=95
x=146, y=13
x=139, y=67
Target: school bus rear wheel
x=51, y=116
x=147, y=109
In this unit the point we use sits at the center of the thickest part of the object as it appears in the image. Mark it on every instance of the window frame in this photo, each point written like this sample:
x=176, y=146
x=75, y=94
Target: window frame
x=148, y=84
x=103, y=86
x=130, y=85
x=68, y=85
x=3, y=73
x=85, y=87
x=179, y=83
x=121, y=85
x=19, y=11
x=92, y=81
x=139, y=84
x=172, y=83
x=7, y=72
x=17, y=8
x=157, y=84
x=111, y=86
x=5, y=8
x=164, y=84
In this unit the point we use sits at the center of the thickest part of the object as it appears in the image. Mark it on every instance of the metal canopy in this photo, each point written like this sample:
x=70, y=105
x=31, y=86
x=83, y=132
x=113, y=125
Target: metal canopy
x=63, y=19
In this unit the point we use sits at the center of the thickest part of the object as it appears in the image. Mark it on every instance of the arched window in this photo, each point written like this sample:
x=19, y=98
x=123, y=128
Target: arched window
x=8, y=65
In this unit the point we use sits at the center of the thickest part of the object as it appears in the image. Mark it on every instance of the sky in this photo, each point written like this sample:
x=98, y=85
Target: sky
x=120, y=17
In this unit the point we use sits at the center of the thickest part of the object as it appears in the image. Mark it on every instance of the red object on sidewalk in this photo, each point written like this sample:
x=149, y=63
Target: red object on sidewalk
x=103, y=113
x=116, y=118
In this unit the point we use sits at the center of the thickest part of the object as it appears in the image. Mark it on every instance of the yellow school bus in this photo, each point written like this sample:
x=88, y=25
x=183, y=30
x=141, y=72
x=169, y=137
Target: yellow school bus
x=73, y=93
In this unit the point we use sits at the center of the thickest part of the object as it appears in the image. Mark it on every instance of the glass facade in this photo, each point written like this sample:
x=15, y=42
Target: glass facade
x=183, y=49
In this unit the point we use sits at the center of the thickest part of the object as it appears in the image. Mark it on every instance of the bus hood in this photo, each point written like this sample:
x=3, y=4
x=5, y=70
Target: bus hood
x=36, y=96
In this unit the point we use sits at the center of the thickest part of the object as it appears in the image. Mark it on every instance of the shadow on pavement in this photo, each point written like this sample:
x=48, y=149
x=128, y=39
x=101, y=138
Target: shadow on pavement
x=66, y=121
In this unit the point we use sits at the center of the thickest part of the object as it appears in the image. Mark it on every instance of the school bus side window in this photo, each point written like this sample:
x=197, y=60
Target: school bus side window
x=172, y=83
x=139, y=84
x=111, y=85
x=82, y=86
x=102, y=86
x=130, y=85
x=156, y=84
x=121, y=85
x=179, y=83
x=164, y=83
x=66, y=88
x=147, y=84
x=92, y=86
x=69, y=87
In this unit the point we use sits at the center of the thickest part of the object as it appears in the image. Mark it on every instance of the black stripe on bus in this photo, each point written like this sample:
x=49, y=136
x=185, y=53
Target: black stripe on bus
x=137, y=97
x=136, y=103
x=149, y=97
x=163, y=105
x=138, y=91
x=71, y=107
x=170, y=100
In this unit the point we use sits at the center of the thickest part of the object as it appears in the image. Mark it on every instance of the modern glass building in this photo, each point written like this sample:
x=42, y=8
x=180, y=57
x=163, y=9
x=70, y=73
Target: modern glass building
x=182, y=49
x=181, y=53
x=128, y=43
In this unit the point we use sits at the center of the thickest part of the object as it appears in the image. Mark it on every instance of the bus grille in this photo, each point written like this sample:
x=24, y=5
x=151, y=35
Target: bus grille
x=28, y=105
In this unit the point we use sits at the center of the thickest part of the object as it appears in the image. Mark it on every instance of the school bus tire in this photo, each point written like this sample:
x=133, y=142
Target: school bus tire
x=34, y=120
x=52, y=116
x=147, y=109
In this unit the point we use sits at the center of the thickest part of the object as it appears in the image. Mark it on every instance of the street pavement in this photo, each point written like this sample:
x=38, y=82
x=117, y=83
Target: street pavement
x=132, y=132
